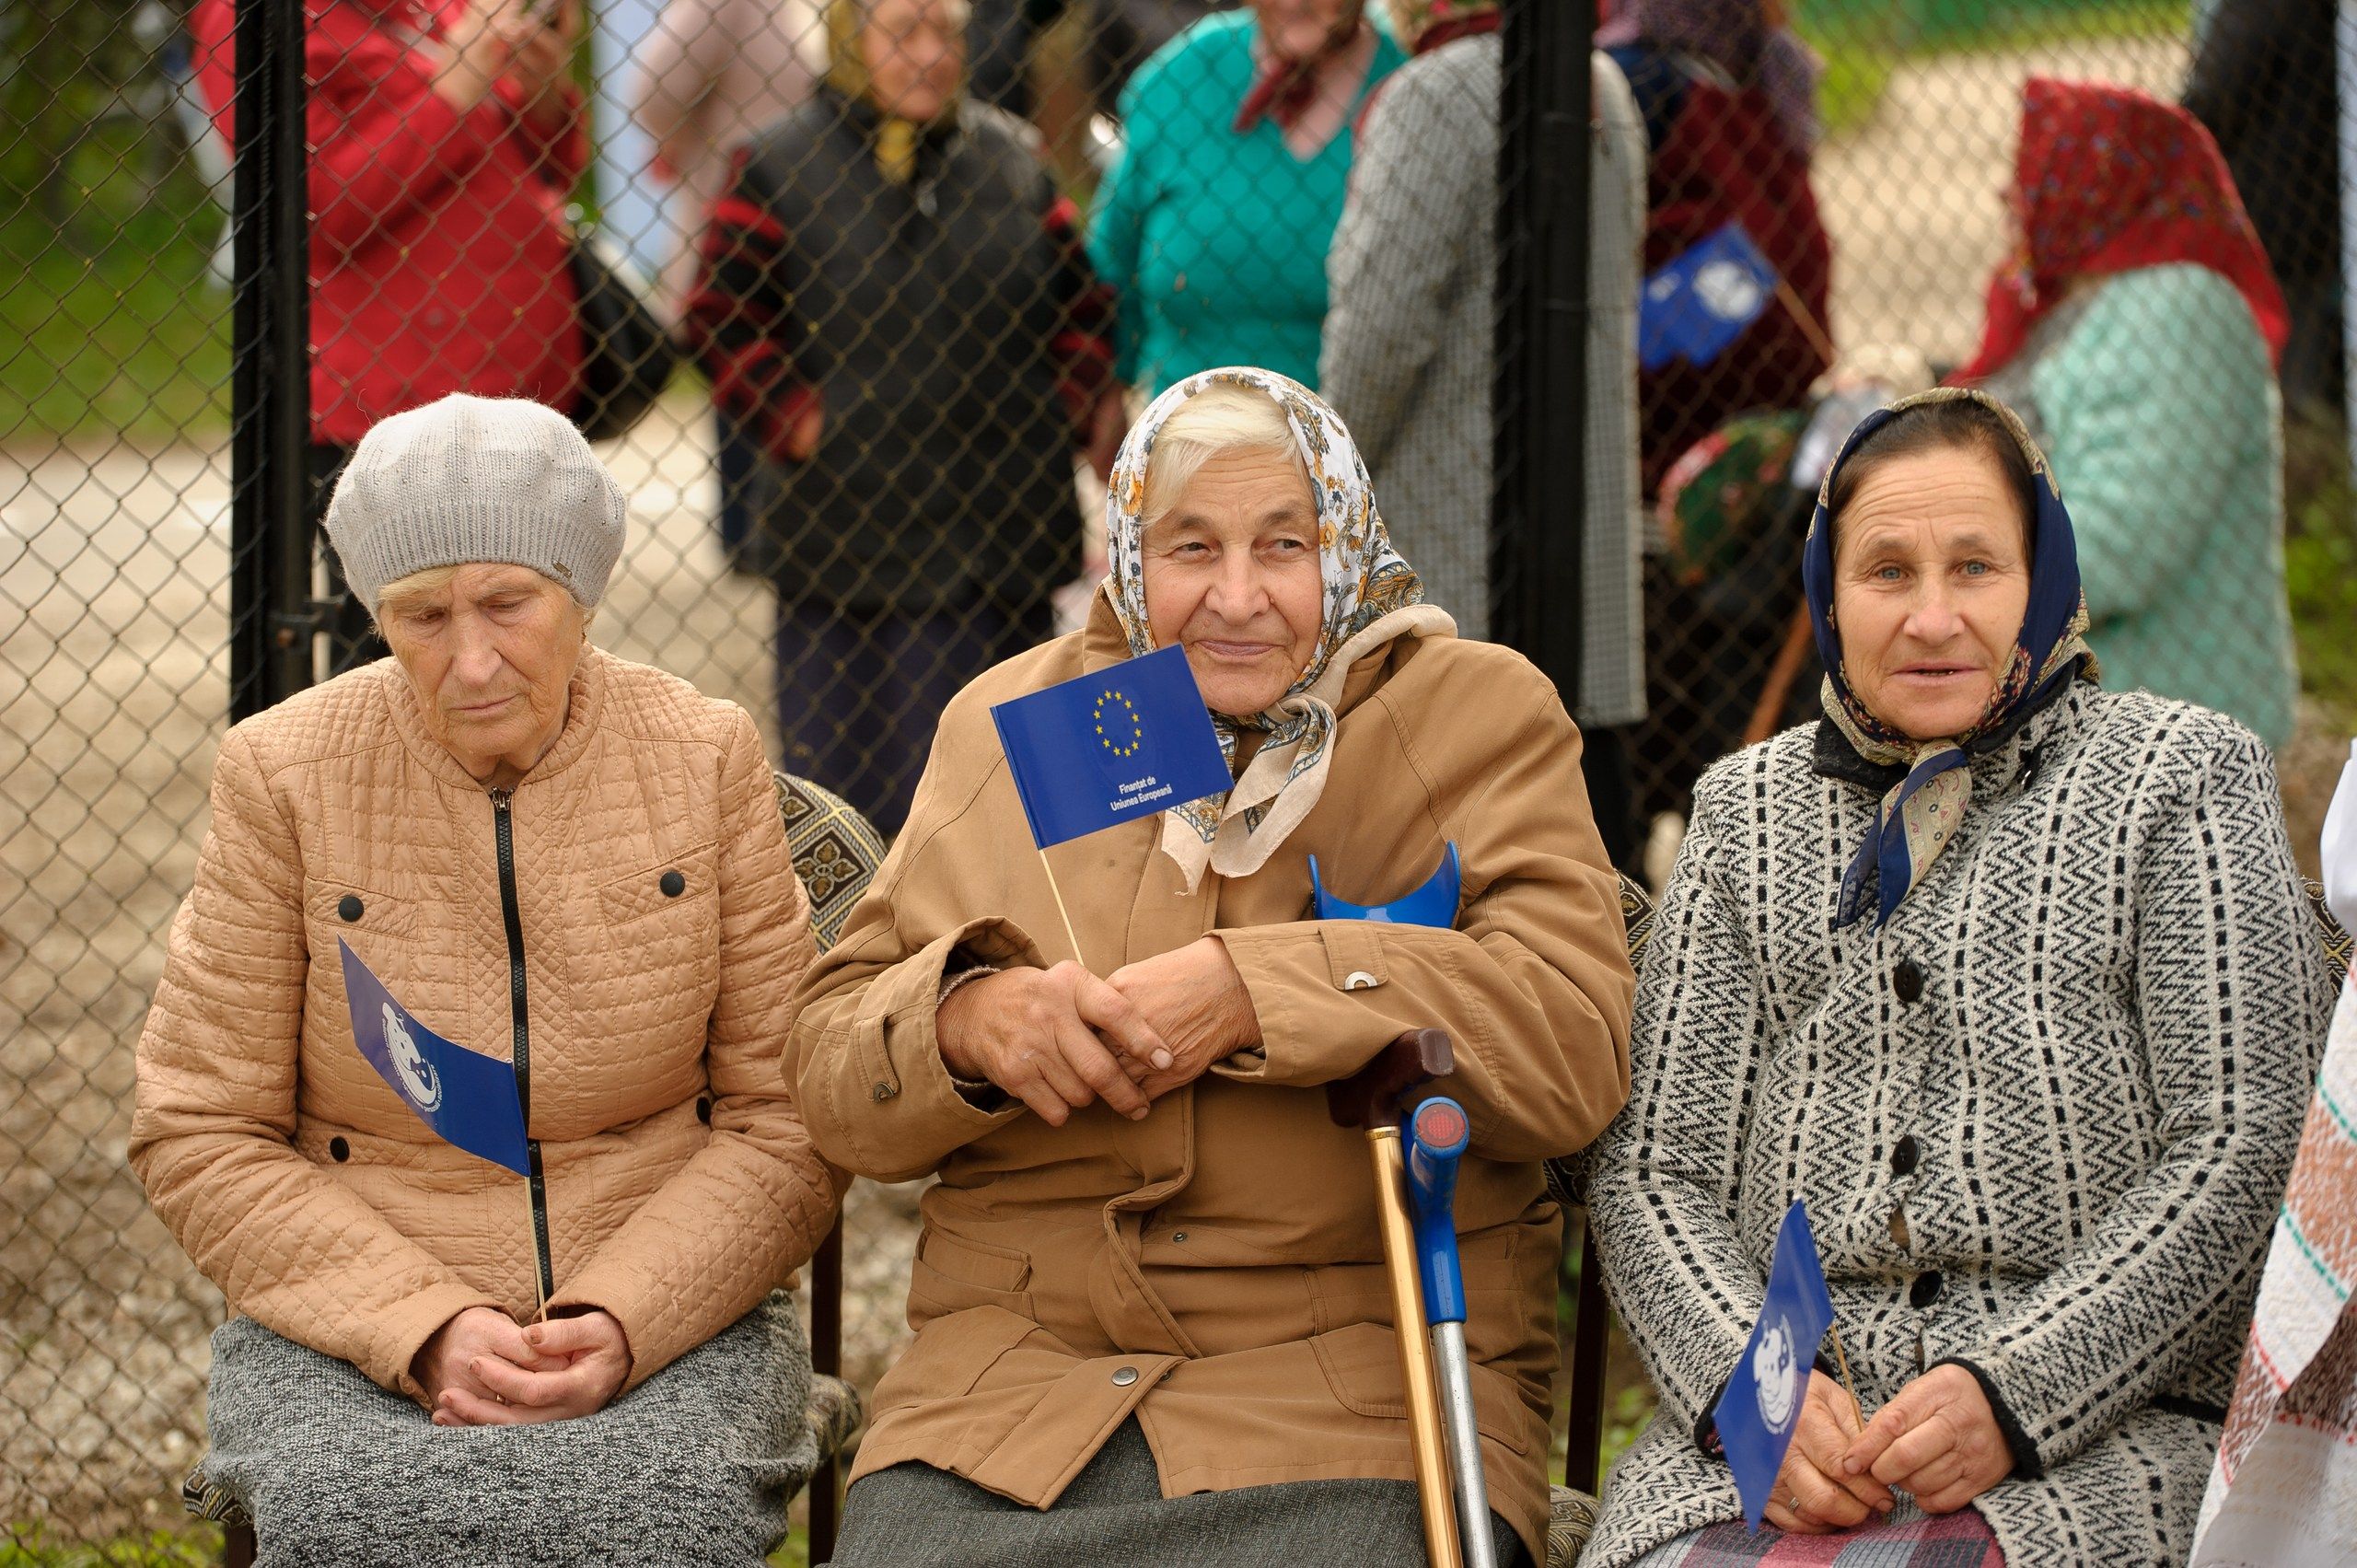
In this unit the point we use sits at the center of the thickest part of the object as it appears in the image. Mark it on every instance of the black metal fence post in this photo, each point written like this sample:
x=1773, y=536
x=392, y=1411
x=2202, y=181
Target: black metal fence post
x=270, y=553
x=1541, y=391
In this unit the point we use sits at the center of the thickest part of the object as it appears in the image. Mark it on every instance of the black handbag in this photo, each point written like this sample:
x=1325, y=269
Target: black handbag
x=627, y=355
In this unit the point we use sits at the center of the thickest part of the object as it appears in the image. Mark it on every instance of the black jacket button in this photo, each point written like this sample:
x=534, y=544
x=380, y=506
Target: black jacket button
x=1907, y=981
x=703, y=1109
x=349, y=907
x=1925, y=1290
x=1903, y=1157
x=337, y=1150
x=673, y=884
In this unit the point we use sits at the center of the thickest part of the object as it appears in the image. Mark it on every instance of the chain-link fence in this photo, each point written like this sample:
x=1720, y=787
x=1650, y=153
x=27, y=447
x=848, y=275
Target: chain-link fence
x=905, y=341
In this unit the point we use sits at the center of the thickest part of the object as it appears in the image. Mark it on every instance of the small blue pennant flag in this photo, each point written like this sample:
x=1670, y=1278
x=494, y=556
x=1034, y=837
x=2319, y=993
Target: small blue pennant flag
x=1129, y=740
x=1698, y=305
x=466, y=1099
x=1761, y=1406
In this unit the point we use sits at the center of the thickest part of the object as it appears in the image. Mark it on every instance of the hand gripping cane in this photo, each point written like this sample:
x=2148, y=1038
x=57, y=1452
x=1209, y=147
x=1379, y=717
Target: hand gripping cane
x=1438, y=1134
x=1370, y=1098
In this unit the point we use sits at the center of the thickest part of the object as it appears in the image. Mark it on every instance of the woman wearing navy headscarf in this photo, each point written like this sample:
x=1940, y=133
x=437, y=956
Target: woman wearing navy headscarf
x=2011, y=979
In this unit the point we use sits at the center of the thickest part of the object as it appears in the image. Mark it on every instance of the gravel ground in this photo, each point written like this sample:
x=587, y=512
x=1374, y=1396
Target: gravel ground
x=112, y=688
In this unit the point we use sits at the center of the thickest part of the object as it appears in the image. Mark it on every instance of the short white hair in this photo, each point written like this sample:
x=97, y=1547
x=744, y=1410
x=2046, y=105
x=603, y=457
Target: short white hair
x=1221, y=419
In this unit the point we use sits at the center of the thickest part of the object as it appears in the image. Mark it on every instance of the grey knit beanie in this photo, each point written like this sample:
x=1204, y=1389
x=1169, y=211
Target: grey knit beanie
x=470, y=480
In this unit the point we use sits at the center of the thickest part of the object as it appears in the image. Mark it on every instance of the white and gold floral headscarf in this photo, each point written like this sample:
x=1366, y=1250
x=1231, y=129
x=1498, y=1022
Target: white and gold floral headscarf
x=1372, y=596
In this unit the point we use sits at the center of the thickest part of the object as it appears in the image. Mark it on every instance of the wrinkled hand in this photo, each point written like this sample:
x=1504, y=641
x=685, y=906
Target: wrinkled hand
x=540, y=61
x=1828, y=1498
x=803, y=429
x=445, y=1362
x=582, y=1363
x=1937, y=1439
x=1056, y=1040
x=1195, y=1000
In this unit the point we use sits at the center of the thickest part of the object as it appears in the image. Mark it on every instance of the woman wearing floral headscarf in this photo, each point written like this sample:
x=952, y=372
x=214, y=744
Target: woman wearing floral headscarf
x=2137, y=329
x=2011, y=980
x=1151, y=1269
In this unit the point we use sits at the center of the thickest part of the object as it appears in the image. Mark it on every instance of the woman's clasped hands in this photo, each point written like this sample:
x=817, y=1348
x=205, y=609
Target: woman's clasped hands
x=1937, y=1440
x=484, y=1369
x=1061, y=1038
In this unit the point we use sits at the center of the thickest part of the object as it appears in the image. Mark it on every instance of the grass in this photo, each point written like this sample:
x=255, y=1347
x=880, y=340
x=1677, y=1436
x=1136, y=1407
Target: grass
x=2320, y=561
x=110, y=322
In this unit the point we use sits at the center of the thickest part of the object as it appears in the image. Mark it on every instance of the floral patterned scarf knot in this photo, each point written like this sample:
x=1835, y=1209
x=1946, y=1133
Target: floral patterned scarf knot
x=1371, y=596
x=1919, y=815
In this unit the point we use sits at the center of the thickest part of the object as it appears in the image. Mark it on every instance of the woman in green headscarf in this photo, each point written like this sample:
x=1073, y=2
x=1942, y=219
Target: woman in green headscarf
x=895, y=304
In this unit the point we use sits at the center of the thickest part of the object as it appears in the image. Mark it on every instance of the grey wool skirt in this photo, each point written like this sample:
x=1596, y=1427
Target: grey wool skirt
x=917, y=1516
x=695, y=1466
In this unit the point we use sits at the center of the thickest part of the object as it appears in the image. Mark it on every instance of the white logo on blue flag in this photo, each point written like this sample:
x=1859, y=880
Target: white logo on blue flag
x=421, y=1083
x=1756, y=1413
x=1695, y=308
x=1127, y=741
x=468, y=1099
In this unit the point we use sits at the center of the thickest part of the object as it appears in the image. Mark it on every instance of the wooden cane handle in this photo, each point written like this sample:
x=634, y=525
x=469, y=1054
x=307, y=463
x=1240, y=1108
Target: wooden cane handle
x=1371, y=1094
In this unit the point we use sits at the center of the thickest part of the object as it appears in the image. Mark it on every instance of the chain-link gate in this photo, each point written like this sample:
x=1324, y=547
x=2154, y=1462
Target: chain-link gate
x=905, y=340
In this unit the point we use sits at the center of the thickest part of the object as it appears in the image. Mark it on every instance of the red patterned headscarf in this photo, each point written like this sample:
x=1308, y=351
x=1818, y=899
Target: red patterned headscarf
x=2108, y=180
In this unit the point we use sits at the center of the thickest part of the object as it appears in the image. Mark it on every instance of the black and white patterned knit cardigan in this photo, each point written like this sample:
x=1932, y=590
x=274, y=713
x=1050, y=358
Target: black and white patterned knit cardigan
x=2042, y=1119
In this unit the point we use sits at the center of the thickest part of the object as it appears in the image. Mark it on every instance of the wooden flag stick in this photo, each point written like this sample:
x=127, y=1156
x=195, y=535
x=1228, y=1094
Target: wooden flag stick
x=1067, y=914
x=1842, y=1361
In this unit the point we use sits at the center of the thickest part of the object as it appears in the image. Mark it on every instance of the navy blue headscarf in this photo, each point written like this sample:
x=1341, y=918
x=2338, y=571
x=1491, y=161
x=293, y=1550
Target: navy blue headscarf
x=1918, y=817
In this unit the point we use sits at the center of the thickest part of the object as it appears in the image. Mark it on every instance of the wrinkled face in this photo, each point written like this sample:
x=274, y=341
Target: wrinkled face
x=1302, y=29
x=915, y=51
x=1231, y=577
x=490, y=655
x=1931, y=579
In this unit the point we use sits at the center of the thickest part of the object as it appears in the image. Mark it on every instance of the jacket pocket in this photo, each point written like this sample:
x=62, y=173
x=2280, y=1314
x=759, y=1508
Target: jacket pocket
x=672, y=887
x=952, y=1274
x=1362, y=1367
x=360, y=914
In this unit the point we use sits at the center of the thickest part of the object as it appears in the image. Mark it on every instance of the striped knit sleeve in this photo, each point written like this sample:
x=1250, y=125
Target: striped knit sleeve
x=739, y=318
x=2233, y=996
x=1662, y=1195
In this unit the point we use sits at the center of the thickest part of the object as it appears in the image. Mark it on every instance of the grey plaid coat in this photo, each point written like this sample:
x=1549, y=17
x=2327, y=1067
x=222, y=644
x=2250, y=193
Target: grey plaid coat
x=2042, y=1120
x=1408, y=357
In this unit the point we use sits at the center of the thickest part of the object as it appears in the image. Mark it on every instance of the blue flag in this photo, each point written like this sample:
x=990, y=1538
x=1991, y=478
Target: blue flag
x=1698, y=305
x=1762, y=1402
x=467, y=1099
x=1128, y=741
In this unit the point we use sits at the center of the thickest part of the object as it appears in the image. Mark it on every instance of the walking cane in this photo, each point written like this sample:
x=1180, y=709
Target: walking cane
x=1370, y=1098
x=1438, y=1133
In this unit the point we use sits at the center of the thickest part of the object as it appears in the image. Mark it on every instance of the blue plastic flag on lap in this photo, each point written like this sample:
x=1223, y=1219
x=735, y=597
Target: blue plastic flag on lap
x=1762, y=1403
x=466, y=1099
x=1698, y=305
x=1128, y=741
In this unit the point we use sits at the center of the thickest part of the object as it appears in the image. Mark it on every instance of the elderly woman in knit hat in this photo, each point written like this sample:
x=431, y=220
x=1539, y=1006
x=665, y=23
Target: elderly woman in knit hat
x=558, y=859
x=1152, y=1319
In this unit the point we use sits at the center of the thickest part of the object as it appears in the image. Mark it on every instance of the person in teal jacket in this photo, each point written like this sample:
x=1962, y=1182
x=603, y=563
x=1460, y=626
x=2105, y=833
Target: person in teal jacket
x=2138, y=330
x=1212, y=228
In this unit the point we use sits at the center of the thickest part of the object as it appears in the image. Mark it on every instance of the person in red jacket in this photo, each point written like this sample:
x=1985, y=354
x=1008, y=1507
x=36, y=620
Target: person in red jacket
x=445, y=136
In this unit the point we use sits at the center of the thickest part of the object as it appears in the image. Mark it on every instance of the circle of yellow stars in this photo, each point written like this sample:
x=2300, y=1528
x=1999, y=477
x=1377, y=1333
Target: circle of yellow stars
x=1113, y=742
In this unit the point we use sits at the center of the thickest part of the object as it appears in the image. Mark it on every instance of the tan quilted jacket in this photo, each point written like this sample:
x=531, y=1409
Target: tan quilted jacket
x=679, y=1183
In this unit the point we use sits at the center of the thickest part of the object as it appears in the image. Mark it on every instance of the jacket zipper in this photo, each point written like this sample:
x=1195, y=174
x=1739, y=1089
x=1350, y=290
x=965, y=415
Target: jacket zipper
x=520, y=1048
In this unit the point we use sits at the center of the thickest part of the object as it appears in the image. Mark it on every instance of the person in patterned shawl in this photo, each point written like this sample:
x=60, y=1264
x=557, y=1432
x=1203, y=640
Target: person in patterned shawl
x=1152, y=1322
x=2012, y=980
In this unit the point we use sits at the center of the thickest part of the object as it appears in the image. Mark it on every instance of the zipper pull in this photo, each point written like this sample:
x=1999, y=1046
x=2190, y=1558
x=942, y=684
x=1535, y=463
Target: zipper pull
x=500, y=799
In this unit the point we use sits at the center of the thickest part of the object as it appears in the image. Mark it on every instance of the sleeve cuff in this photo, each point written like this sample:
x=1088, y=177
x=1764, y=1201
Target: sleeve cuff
x=413, y=1323
x=2027, y=1466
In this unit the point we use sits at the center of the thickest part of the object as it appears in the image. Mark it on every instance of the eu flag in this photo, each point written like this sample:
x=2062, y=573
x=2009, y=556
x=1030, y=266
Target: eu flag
x=467, y=1099
x=1762, y=1405
x=1098, y=750
x=1698, y=305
